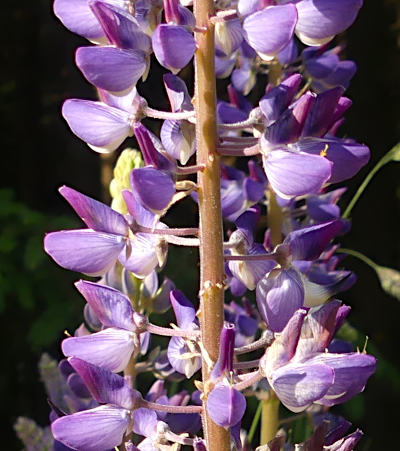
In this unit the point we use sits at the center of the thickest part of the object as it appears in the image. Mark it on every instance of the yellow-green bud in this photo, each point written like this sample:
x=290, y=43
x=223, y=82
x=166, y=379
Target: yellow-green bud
x=128, y=160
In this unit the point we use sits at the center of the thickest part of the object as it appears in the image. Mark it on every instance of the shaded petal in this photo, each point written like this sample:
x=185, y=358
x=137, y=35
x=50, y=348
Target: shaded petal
x=110, y=348
x=145, y=422
x=111, y=68
x=347, y=156
x=181, y=357
x=348, y=443
x=95, y=214
x=85, y=251
x=277, y=99
x=284, y=346
x=177, y=92
x=289, y=53
x=140, y=214
x=320, y=20
x=173, y=46
x=246, y=7
x=224, y=66
x=226, y=406
x=77, y=386
x=96, y=123
x=120, y=27
x=319, y=118
x=130, y=101
x=244, y=77
x=318, y=330
x=294, y=174
x=78, y=18
x=279, y=294
x=233, y=202
x=153, y=188
x=308, y=243
x=268, y=31
x=140, y=257
x=351, y=374
x=152, y=150
x=288, y=127
x=184, y=311
x=178, y=139
x=342, y=75
x=113, y=308
x=97, y=429
x=184, y=422
x=251, y=272
x=297, y=386
x=105, y=386
x=228, y=36
x=322, y=65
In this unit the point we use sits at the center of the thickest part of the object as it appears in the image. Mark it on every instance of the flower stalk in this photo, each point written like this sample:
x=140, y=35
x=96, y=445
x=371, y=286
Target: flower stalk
x=211, y=244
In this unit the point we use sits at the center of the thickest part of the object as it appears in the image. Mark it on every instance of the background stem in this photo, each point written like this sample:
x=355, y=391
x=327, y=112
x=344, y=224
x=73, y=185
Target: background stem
x=210, y=226
x=269, y=418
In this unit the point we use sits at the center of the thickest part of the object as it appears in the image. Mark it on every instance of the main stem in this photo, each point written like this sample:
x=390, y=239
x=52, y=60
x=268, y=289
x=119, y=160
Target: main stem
x=210, y=221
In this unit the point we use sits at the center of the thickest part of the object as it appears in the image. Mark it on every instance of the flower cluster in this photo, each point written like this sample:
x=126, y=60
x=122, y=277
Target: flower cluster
x=281, y=217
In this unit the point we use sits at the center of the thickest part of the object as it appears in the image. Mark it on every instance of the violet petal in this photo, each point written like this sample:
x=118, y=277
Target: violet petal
x=268, y=31
x=113, y=308
x=111, y=68
x=279, y=294
x=95, y=214
x=102, y=127
x=153, y=188
x=351, y=374
x=78, y=18
x=120, y=27
x=294, y=174
x=226, y=406
x=105, y=386
x=308, y=243
x=347, y=156
x=110, y=348
x=140, y=256
x=98, y=429
x=173, y=46
x=184, y=311
x=320, y=20
x=84, y=251
x=299, y=385
x=144, y=422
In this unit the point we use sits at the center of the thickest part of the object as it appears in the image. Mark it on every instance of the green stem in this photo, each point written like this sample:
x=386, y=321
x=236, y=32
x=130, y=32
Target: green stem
x=255, y=422
x=360, y=256
x=269, y=418
x=389, y=156
x=274, y=219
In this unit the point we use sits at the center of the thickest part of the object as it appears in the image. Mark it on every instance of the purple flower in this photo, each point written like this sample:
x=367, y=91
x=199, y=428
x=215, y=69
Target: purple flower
x=173, y=46
x=94, y=251
x=103, y=427
x=301, y=372
x=184, y=354
x=284, y=290
x=225, y=404
x=112, y=347
x=103, y=125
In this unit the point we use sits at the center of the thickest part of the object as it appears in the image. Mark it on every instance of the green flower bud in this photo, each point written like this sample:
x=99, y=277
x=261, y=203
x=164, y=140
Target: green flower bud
x=128, y=160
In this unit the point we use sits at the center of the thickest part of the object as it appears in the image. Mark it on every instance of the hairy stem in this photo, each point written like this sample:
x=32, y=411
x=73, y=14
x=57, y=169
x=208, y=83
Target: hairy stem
x=210, y=227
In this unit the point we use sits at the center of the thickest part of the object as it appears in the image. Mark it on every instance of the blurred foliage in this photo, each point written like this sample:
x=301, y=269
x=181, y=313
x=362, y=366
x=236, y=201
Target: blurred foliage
x=28, y=278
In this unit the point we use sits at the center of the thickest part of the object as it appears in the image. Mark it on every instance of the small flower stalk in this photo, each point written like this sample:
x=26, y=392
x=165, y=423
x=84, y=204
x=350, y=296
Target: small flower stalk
x=264, y=322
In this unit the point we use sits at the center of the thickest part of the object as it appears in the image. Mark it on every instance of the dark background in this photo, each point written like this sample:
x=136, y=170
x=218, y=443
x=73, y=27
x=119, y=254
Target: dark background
x=37, y=299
